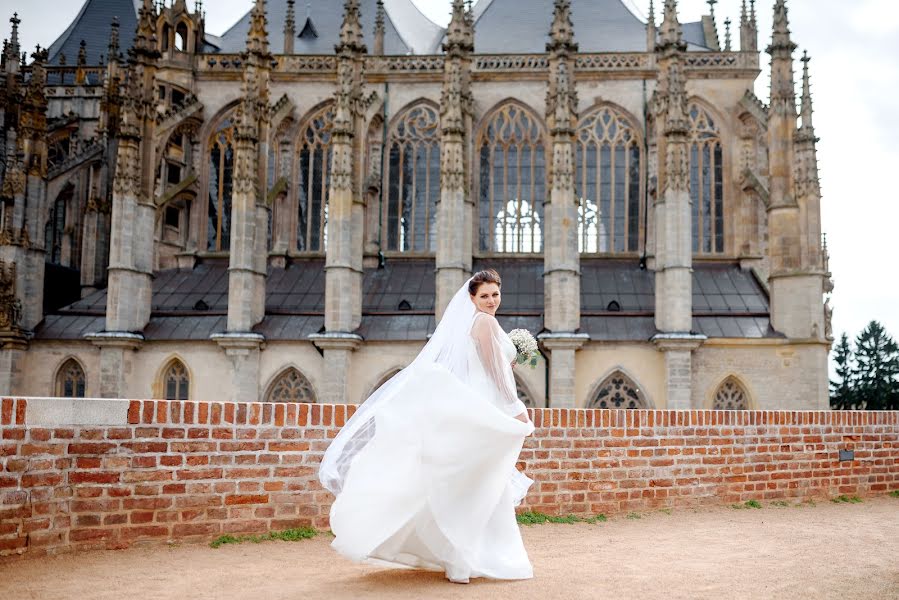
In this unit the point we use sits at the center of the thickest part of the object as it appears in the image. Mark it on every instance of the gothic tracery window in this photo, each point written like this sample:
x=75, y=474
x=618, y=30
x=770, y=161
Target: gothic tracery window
x=70, y=380
x=706, y=182
x=413, y=180
x=618, y=391
x=731, y=396
x=314, y=174
x=221, y=173
x=607, y=182
x=290, y=386
x=176, y=381
x=512, y=181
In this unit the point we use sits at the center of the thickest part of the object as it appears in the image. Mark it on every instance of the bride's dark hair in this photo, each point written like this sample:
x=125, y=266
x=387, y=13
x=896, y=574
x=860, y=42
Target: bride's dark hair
x=481, y=277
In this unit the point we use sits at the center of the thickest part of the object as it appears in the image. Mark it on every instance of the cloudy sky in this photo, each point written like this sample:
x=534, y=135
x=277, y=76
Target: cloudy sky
x=855, y=81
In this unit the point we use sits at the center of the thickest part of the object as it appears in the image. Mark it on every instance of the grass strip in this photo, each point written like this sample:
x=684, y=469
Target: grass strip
x=288, y=535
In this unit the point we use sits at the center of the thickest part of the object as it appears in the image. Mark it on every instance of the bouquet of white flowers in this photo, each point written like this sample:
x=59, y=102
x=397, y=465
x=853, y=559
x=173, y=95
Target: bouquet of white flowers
x=526, y=346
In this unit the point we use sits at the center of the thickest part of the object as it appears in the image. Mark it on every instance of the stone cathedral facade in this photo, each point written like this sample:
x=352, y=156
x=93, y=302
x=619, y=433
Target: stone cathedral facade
x=282, y=212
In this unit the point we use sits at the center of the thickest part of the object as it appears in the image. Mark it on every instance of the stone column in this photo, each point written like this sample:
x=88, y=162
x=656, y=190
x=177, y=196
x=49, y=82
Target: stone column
x=453, y=260
x=673, y=233
x=130, y=270
x=561, y=260
x=248, y=247
x=343, y=263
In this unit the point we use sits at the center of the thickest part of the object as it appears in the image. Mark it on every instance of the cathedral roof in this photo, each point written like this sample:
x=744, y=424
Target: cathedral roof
x=522, y=27
x=93, y=25
x=407, y=30
x=617, y=302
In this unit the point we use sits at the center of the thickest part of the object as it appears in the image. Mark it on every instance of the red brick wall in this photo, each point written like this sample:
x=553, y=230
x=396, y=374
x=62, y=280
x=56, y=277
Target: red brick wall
x=195, y=470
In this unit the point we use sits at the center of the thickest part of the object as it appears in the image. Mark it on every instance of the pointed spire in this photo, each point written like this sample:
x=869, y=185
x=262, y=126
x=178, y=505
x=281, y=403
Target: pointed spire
x=379, y=28
x=712, y=4
x=781, y=51
x=781, y=37
x=651, y=28
x=114, y=39
x=145, y=39
x=351, y=29
x=727, y=47
x=749, y=34
x=459, y=34
x=670, y=34
x=257, y=36
x=561, y=33
x=14, y=36
x=807, y=130
x=290, y=27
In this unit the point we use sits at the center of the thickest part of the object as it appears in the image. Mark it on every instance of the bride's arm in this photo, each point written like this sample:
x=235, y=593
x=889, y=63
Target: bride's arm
x=486, y=332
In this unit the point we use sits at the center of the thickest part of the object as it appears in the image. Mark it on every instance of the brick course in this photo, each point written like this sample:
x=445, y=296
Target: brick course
x=196, y=470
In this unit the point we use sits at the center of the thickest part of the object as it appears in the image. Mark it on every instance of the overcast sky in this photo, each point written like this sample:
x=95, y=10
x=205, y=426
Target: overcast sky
x=855, y=81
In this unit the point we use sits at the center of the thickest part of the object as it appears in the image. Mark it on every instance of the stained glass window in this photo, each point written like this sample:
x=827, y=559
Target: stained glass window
x=176, y=382
x=314, y=174
x=70, y=380
x=618, y=391
x=413, y=180
x=706, y=182
x=608, y=182
x=291, y=386
x=511, y=182
x=731, y=396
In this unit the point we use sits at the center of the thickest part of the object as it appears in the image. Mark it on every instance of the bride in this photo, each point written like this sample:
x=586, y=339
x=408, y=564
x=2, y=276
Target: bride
x=424, y=472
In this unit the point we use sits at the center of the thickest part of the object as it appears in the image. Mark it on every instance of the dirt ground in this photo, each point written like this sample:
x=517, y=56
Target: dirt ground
x=828, y=550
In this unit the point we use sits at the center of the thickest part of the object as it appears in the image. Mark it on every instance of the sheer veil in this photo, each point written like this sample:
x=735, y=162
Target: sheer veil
x=448, y=347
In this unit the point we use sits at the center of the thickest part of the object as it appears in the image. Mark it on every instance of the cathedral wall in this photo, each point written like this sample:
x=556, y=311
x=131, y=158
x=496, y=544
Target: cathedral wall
x=641, y=362
x=44, y=359
x=625, y=93
x=776, y=376
x=487, y=94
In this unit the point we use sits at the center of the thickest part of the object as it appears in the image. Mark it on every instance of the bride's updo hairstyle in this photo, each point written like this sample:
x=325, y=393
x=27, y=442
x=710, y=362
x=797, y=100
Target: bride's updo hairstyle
x=481, y=277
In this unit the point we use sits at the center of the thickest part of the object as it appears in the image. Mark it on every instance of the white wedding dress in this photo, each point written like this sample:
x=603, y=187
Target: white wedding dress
x=435, y=486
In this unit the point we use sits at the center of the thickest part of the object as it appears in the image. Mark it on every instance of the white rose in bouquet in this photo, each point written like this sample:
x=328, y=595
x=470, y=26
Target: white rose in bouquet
x=526, y=346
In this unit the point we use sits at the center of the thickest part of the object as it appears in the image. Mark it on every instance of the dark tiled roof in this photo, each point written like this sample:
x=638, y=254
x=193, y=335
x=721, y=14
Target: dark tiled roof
x=727, y=301
x=406, y=29
x=522, y=26
x=399, y=280
x=93, y=25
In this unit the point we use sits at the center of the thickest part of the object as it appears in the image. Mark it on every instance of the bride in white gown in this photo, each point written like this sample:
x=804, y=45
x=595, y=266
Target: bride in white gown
x=424, y=472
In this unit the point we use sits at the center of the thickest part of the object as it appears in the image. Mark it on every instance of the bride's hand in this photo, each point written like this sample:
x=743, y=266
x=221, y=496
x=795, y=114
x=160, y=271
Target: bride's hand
x=523, y=417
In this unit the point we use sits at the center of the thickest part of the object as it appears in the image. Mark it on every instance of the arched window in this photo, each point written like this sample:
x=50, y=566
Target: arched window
x=381, y=382
x=512, y=181
x=290, y=386
x=176, y=381
x=221, y=175
x=413, y=180
x=706, y=182
x=70, y=380
x=607, y=182
x=314, y=173
x=181, y=37
x=731, y=396
x=618, y=391
x=523, y=394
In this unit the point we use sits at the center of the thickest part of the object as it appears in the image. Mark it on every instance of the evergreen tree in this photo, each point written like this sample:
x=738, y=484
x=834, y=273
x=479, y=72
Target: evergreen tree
x=876, y=370
x=842, y=390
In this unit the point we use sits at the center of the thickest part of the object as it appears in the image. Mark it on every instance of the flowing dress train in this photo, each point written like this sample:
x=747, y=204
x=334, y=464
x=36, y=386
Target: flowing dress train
x=436, y=486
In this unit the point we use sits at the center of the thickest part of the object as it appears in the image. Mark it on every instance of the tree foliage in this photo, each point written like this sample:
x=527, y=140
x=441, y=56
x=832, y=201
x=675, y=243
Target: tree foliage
x=867, y=372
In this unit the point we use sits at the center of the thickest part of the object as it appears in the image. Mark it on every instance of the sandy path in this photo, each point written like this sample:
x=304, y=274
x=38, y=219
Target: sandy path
x=830, y=550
